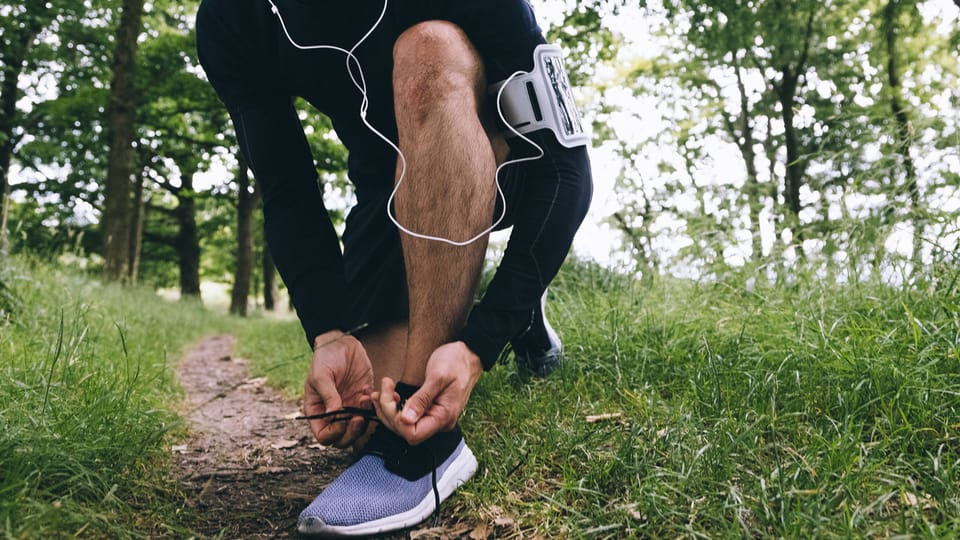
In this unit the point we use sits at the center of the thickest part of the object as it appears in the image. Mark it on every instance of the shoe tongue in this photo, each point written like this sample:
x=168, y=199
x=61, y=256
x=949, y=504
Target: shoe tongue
x=405, y=391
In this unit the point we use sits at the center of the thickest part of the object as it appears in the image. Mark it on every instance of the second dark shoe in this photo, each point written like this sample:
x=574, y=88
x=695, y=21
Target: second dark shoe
x=538, y=349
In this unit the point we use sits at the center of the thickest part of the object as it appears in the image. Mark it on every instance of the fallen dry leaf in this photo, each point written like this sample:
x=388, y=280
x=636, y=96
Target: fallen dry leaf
x=433, y=532
x=480, y=533
x=503, y=522
x=283, y=444
x=254, y=383
x=924, y=501
x=632, y=512
x=593, y=419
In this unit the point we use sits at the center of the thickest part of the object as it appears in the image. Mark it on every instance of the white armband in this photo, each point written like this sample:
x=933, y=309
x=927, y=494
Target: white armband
x=542, y=99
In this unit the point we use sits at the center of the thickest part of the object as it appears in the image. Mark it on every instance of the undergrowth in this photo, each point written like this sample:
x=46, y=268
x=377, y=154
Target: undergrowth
x=735, y=409
x=86, y=381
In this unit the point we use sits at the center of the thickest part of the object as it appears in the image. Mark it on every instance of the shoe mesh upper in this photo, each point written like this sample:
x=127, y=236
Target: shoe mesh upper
x=367, y=491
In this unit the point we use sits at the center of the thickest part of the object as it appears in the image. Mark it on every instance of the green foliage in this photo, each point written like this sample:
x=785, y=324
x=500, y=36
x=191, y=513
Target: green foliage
x=85, y=405
x=44, y=232
x=730, y=73
x=182, y=130
x=9, y=302
x=587, y=40
x=746, y=410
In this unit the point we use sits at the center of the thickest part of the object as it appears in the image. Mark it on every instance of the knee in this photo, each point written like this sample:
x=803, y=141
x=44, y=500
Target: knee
x=434, y=61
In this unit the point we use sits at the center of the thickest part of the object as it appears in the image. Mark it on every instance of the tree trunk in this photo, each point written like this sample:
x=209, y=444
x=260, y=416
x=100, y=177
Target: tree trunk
x=771, y=147
x=270, y=291
x=891, y=25
x=188, y=243
x=121, y=122
x=136, y=231
x=786, y=94
x=9, y=94
x=244, y=271
x=794, y=177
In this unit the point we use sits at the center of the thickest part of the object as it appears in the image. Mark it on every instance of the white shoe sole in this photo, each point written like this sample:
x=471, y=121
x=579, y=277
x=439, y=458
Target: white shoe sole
x=457, y=474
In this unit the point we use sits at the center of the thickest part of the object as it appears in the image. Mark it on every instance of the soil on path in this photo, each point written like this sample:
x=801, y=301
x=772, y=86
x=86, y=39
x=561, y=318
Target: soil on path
x=248, y=468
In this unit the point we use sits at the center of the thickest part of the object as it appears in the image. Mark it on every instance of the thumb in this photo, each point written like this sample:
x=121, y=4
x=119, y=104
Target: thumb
x=420, y=401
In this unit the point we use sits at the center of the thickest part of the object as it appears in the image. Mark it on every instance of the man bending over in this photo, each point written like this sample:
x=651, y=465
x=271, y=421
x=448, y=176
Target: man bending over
x=391, y=314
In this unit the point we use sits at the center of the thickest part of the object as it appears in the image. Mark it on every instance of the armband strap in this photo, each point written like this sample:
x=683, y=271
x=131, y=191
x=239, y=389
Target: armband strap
x=542, y=99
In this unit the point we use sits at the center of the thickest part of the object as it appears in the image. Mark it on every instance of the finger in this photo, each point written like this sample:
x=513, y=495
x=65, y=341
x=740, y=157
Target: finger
x=365, y=396
x=352, y=431
x=386, y=402
x=421, y=401
x=327, y=432
x=426, y=427
x=320, y=396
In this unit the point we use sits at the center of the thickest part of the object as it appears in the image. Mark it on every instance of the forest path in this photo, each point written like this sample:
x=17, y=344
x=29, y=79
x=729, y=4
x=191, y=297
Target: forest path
x=248, y=468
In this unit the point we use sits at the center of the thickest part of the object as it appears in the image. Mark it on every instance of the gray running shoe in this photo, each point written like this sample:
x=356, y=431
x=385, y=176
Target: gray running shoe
x=392, y=486
x=538, y=349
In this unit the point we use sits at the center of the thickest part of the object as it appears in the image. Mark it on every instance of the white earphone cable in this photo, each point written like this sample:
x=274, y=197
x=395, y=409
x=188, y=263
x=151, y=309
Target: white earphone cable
x=361, y=85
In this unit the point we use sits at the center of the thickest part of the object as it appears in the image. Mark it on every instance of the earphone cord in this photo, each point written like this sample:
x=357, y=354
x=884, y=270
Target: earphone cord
x=361, y=85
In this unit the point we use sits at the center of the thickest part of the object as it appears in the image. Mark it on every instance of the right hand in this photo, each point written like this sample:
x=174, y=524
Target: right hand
x=340, y=376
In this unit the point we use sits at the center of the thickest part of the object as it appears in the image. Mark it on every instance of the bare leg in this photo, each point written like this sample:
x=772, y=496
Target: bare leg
x=385, y=345
x=448, y=190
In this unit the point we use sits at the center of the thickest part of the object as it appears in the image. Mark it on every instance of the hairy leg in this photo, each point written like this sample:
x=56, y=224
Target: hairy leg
x=448, y=190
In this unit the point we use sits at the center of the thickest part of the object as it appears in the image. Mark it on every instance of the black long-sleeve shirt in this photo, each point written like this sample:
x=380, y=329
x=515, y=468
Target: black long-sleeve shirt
x=257, y=71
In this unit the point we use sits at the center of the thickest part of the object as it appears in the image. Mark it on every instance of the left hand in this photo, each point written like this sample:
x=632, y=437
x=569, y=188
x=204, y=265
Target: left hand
x=452, y=372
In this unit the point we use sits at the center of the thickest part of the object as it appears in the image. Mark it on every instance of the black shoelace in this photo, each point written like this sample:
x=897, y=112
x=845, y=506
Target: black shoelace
x=342, y=415
x=391, y=453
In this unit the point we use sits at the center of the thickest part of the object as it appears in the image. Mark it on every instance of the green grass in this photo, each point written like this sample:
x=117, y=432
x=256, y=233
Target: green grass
x=809, y=410
x=278, y=350
x=86, y=388
x=800, y=410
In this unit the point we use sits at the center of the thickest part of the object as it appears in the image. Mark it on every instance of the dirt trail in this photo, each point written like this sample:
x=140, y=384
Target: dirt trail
x=248, y=467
